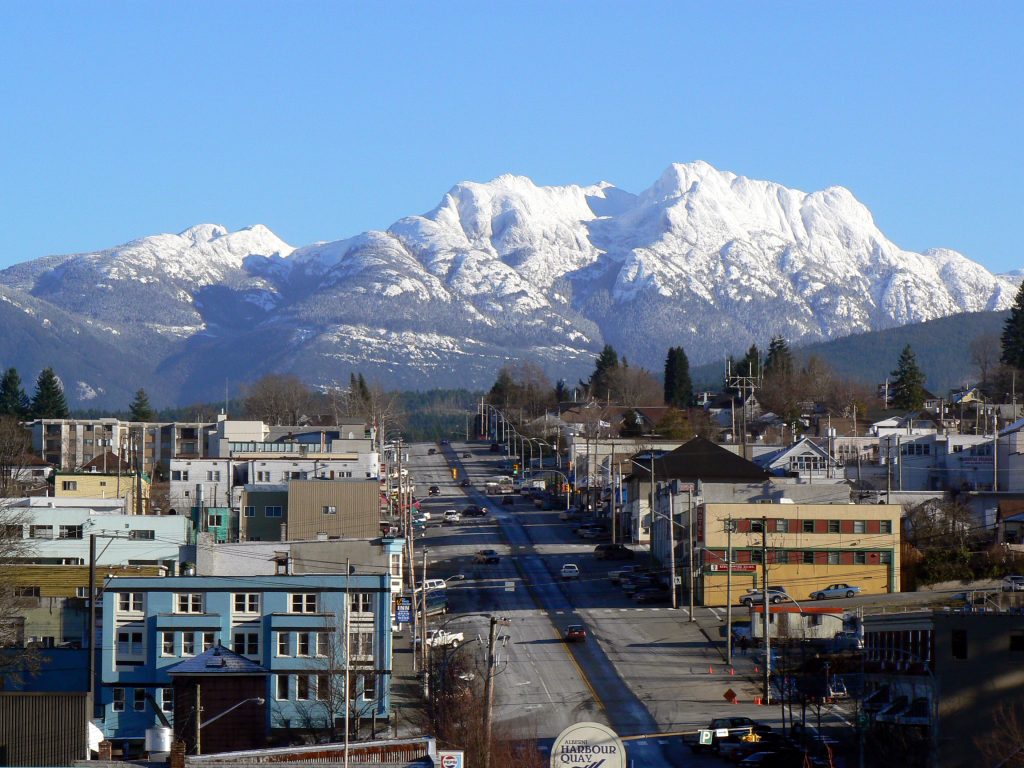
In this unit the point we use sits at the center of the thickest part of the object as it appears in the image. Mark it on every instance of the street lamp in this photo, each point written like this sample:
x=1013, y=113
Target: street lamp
x=671, y=531
x=728, y=596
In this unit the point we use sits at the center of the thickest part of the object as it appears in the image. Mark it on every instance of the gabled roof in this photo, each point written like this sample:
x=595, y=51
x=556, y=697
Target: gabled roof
x=801, y=447
x=701, y=459
x=217, y=661
x=107, y=462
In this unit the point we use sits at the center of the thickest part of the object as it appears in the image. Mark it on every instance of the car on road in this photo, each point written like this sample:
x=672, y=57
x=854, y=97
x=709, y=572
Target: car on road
x=495, y=448
x=431, y=451
x=442, y=638
x=1013, y=584
x=465, y=483
x=507, y=501
x=575, y=633
x=486, y=557
x=474, y=511
x=431, y=584
x=776, y=594
x=834, y=590
x=452, y=516
x=596, y=532
x=627, y=570
x=434, y=490
x=467, y=455
x=633, y=586
x=570, y=571
x=613, y=552
x=422, y=513
x=444, y=442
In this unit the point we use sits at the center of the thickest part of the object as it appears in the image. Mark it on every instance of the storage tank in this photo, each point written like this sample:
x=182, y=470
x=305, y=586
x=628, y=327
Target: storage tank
x=158, y=742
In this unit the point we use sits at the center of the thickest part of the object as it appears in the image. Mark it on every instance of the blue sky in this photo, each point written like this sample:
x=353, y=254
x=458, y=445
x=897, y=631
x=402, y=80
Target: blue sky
x=323, y=119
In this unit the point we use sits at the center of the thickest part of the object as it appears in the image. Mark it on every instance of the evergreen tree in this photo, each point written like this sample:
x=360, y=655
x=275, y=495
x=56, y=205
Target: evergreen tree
x=1013, y=333
x=13, y=400
x=750, y=365
x=48, y=400
x=678, y=384
x=140, y=409
x=908, y=382
x=561, y=391
x=364, y=391
x=607, y=362
x=779, y=359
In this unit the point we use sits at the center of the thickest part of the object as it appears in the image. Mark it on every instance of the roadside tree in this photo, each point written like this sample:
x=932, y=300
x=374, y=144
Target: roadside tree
x=48, y=402
x=908, y=382
x=13, y=400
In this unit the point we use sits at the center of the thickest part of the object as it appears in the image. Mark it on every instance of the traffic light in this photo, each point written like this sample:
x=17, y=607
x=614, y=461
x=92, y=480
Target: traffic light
x=515, y=469
x=455, y=473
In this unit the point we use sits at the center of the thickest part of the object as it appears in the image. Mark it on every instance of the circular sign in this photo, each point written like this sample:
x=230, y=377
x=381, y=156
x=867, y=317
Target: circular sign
x=588, y=744
x=449, y=761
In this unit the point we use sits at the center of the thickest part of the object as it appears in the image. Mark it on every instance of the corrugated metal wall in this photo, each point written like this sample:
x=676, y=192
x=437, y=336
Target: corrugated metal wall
x=356, y=504
x=43, y=728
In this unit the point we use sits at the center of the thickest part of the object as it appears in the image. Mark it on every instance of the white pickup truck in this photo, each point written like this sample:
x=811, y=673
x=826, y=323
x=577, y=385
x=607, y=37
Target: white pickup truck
x=441, y=638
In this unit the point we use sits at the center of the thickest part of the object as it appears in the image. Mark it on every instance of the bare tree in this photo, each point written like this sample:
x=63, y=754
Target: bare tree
x=277, y=399
x=15, y=449
x=985, y=352
x=634, y=387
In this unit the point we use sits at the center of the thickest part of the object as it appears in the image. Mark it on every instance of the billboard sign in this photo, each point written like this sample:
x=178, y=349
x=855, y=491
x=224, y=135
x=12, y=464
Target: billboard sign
x=588, y=745
x=403, y=610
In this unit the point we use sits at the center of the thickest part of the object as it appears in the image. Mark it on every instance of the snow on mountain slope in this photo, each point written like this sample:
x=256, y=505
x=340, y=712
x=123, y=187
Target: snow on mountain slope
x=509, y=269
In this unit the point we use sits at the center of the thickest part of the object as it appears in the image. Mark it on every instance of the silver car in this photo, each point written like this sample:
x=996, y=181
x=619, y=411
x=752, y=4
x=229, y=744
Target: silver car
x=1013, y=584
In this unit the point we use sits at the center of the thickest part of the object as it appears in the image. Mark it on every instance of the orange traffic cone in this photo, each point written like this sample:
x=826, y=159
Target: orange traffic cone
x=710, y=670
x=731, y=671
x=757, y=700
x=755, y=669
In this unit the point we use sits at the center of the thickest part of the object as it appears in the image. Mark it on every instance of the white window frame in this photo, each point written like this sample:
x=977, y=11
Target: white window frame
x=303, y=602
x=284, y=644
x=134, y=638
x=188, y=602
x=167, y=639
x=248, y=511
x=302, y=644
x=329, y=509
x=250, y=642
x=188, y=643
x=139, y=699
x=130, y=602
x=310, y=685
x=281, y=680
x=323, y=644
x=272, y=511
x=361, y=602
x=209, y=639
x=250, y=602
x=167, y=699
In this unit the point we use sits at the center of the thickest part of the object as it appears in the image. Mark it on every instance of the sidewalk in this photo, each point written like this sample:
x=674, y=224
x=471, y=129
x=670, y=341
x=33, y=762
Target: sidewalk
x=406, y=689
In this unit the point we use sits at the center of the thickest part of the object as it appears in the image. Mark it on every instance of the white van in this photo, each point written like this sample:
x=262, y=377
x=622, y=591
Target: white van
x=431, y=584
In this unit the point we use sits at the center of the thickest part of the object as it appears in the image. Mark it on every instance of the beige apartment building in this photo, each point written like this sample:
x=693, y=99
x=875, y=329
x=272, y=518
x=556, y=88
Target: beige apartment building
x=97, y=485
x=810, y=546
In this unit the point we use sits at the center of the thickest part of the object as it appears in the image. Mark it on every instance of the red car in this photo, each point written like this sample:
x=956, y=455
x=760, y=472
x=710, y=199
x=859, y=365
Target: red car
x=575, y=633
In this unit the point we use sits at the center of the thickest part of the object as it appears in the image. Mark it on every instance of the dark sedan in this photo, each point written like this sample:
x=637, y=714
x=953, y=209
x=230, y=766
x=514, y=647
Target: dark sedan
x=575, y=633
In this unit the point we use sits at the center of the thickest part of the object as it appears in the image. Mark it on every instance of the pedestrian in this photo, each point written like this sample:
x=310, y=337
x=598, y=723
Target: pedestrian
x=744, y=645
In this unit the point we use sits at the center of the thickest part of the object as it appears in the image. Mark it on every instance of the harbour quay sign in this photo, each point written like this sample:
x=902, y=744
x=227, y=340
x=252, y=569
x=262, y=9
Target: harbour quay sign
x=588, y=745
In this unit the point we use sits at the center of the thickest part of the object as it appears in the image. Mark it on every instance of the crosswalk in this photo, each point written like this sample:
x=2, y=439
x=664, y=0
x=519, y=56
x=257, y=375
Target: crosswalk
x=635, y=609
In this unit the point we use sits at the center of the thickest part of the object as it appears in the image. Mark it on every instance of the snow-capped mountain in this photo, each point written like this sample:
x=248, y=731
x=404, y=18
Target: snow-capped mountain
x=501, y=270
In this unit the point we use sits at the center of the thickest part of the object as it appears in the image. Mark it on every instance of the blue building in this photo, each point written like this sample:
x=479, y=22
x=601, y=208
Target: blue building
x=294, y=627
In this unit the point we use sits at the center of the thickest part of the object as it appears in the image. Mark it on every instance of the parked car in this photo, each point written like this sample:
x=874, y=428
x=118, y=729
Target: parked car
x=570, y=571
x=575, y=633
x=423, y=513
x=474, y=511
x=486, y=557
x=835, y=590
x=1013, y=584
x=431, y=584
x=776, y=594
x=613, y=552
x=431, y=451
x=734, y=726
x=434, y=490
x=452, y=516
x=444, y=442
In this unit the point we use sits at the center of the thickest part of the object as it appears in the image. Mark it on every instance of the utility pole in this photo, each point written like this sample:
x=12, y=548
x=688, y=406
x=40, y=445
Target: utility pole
x=764, y=586
x=728, y=590
x=198, y=719
x=489, y=686
x=348, y=577
x=423, y=613
x=92, y=623
x=689, y=531
x=672, y=545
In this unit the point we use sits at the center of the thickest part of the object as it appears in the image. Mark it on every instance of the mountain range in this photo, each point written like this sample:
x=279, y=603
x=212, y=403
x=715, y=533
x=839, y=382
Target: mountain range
x=498, y=271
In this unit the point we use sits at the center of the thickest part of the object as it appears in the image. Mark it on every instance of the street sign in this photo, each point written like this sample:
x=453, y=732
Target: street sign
x=706, y=738
x=729, y=695
x=722, y=733
x=736, y=567
x=678, y=580
x=510, y=586
x=403, y=610
x=588, y=744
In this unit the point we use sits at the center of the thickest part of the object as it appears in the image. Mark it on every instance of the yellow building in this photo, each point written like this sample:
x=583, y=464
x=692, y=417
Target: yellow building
x=810, y=546
x=97, y=485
